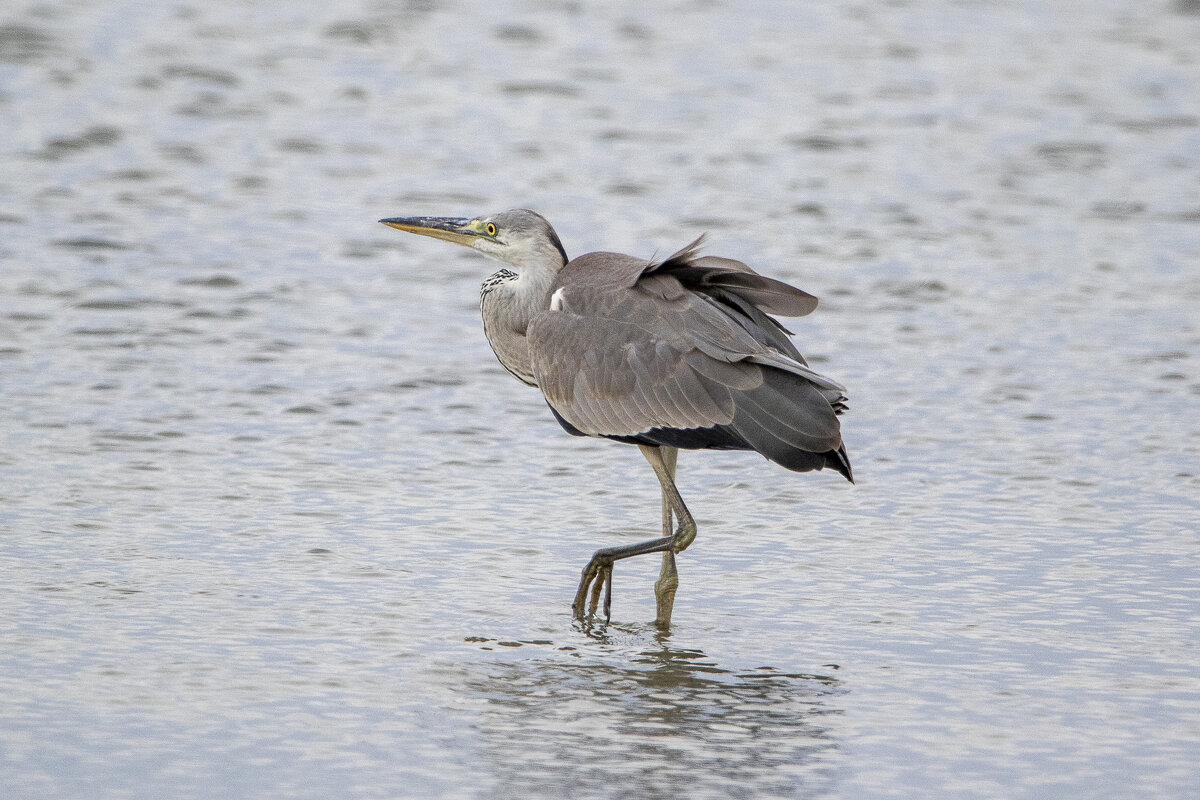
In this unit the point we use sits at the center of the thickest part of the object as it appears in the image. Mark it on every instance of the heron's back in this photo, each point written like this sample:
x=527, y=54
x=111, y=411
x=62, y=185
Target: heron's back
x=681, y=353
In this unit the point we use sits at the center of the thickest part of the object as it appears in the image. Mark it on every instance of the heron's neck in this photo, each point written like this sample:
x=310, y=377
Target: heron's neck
x=509, y=301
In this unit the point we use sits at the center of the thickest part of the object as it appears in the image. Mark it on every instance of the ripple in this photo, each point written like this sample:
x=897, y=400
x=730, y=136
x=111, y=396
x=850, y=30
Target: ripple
x=825, y=142
x=519, y=34
x=1073, y=156
x=546, y=88
x=206, y=75
x=91, y=243
x=1151, y=124
x=94, y=136
x=22, y=44
x=1117, y=209
x=212, y=282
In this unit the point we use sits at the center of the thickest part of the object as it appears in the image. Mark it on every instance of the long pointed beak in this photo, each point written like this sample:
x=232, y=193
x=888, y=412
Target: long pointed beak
x=451, y=229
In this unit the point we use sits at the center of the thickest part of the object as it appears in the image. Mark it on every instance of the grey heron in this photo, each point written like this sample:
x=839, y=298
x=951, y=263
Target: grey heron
x=670, y=354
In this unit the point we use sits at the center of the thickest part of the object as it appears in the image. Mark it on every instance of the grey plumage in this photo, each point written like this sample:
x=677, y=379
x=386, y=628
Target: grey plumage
x=682, y=353
x=678, y=353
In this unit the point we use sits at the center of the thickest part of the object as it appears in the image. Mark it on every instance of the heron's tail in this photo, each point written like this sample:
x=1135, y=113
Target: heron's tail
x=790, y=420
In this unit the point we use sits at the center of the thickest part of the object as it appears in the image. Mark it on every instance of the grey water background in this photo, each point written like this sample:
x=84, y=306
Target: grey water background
x=275, y=524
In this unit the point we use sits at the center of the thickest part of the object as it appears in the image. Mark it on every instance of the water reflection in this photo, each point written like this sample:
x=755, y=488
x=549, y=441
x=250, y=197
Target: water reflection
x=660, y=721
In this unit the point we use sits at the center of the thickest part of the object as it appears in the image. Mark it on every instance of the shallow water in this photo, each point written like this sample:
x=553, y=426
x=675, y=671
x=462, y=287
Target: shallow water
x=273, y=522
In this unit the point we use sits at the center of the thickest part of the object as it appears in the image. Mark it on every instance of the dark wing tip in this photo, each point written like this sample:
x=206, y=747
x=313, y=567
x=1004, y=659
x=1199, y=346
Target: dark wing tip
x=842, y=463
x=682, y=257
x=705, y=273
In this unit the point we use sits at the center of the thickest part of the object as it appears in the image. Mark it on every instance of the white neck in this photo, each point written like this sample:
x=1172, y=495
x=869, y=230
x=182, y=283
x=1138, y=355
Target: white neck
x=508, y=304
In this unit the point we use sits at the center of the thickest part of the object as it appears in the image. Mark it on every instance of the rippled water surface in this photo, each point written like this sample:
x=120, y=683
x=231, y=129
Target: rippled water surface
x=275, y=524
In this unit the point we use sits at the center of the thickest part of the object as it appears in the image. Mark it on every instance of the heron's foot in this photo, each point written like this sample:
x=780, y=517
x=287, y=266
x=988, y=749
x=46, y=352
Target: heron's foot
x=597, y=577
x=664, y=591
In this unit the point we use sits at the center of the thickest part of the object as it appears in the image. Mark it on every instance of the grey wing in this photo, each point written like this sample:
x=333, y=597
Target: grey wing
x=659, y=364
x=614, y=378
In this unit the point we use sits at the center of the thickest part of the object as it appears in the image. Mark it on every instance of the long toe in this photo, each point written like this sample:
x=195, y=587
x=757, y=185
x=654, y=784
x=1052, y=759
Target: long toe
x=580, y=602
x=603, y=575
x=608, y=595
x=589, y=583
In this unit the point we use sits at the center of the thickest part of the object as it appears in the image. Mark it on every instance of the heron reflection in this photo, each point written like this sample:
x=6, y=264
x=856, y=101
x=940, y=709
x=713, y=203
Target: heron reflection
x=657, y=720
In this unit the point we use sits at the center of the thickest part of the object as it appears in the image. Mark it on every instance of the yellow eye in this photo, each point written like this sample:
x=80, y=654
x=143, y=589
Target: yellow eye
x=491, y=229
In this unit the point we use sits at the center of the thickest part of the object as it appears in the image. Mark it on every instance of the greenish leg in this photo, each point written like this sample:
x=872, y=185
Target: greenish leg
x=668, y=576
x=597, y=575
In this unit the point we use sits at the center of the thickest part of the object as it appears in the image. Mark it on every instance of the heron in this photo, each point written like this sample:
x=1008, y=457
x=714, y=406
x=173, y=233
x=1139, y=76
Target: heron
x=677, y=353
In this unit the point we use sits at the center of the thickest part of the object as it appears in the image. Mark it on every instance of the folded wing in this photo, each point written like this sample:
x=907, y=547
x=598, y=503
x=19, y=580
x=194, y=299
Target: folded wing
x=684, y=353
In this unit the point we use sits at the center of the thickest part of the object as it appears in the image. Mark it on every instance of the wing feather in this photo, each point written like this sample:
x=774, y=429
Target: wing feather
x=640, y=350
x=797, y=412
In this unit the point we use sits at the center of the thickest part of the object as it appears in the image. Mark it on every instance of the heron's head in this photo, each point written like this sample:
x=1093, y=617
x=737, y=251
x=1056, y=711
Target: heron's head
x=521, y=238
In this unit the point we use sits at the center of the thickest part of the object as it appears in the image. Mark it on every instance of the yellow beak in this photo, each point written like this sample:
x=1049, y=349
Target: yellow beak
x=451, y=229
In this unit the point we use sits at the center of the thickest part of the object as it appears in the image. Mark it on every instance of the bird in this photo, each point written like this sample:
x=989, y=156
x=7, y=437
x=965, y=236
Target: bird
x=677, y=353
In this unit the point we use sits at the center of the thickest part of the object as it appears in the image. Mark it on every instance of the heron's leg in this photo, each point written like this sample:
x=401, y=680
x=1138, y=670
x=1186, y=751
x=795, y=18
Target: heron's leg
x=597, y=575
x=685, y=534
x=669, y=456
x=664, y=590
x=668, y=576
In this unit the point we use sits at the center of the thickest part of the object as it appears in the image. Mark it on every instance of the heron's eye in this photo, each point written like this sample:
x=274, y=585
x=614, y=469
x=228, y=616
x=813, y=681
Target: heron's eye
x=491, y=229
